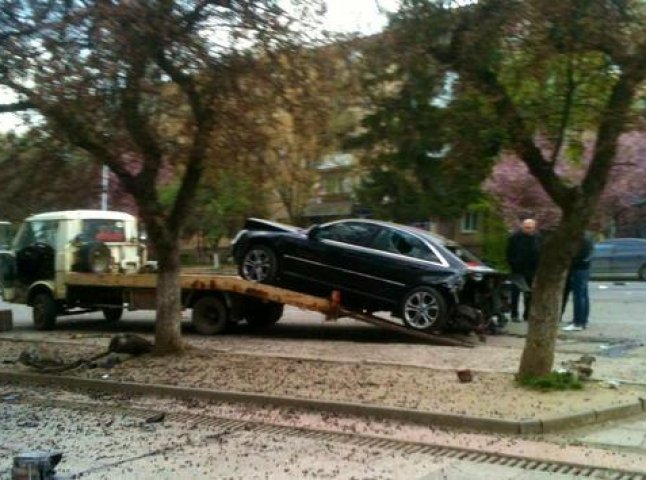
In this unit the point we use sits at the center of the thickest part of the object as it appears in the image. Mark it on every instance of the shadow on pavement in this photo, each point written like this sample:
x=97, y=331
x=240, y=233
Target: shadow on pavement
x=315, y=330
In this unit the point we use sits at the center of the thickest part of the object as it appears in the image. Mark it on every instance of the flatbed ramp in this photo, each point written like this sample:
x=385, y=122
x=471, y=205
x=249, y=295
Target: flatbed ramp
x=226, y=283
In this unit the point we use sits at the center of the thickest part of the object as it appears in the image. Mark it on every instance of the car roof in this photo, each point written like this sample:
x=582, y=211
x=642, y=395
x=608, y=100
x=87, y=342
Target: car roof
x=417, y=231
x=619, y=241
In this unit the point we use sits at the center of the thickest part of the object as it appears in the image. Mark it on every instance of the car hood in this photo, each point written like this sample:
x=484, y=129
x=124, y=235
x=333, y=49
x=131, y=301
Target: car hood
x=269, y=226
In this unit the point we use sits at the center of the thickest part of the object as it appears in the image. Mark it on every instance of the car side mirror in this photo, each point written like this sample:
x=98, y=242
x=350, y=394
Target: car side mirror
x=312, y=233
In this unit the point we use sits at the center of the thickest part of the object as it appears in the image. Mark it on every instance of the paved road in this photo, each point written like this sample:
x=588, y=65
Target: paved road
x=618, y=310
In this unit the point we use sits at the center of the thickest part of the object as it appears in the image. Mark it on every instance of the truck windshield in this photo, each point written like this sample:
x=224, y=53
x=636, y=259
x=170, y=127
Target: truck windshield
x=37, y=231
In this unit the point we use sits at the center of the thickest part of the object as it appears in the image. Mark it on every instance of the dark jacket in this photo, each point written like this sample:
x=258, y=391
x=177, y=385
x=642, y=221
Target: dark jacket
x=581, y=260
x=523, y=251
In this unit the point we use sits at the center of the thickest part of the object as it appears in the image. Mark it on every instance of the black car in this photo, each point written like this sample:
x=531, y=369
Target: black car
x=429, y=282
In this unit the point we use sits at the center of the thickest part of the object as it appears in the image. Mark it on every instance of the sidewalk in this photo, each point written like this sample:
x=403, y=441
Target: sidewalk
x=405, y=377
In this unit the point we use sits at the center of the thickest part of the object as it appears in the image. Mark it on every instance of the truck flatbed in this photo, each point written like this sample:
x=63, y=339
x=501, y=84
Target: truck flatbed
x=205, y=282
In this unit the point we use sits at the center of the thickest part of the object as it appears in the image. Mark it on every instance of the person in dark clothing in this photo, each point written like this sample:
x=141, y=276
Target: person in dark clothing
x=577, y=283
x=523, y=249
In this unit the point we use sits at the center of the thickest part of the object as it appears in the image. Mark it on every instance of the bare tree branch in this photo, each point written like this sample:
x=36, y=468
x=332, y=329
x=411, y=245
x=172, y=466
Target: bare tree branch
x=16, y=107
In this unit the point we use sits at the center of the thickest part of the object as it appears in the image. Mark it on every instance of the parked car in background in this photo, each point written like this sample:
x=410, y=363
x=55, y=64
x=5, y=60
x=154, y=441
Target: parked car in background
x=619, y=258
x=431, y=283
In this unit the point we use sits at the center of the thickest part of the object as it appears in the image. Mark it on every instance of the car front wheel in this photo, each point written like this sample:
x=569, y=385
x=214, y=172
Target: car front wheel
x=259, y=264
x=424, y=308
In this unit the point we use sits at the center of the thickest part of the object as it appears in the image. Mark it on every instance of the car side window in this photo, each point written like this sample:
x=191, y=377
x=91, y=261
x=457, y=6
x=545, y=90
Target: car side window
x=603, y=248
x=403, y=243
x=348, y=232
x=631, y=248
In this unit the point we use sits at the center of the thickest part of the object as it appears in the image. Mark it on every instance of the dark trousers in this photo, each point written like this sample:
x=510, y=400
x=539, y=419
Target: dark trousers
x=527, y=296
x=577, y=283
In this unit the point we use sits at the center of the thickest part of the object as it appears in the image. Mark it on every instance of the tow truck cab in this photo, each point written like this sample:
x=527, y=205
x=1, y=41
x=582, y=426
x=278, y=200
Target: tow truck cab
x=50, y=245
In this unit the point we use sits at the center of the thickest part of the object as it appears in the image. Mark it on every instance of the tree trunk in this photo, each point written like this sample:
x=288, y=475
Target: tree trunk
x=544, y=316
x=168, y=337
x=557, y=251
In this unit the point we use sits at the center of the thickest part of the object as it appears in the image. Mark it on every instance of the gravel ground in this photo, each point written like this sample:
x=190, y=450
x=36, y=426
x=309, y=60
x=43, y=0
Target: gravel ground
x=121, y=445
x=491, y=394
x=105, y=446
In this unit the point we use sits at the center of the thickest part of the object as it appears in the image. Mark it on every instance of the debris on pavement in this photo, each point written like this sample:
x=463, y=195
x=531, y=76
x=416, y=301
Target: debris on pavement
x=613, y=384
x=464, y=375
x=35, y=465
x=47, y=360
x=580, y=369
x=156, y=418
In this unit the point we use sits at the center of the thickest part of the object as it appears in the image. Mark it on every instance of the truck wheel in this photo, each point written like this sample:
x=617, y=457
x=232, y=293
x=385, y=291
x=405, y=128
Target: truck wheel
x=261, y=315
x=210, y=316
x=44, y=311
x=112, y=315
x=642, y=272
x=259, y=264
x=424, y=308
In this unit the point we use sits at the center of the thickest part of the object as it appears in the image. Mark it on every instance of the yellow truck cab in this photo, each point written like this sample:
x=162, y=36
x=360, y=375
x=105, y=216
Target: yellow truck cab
x=48, y=246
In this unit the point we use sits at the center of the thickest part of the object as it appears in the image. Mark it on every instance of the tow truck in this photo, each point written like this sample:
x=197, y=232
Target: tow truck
x=79, y=261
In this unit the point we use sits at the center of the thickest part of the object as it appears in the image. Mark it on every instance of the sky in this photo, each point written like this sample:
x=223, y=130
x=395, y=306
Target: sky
x=342, y=16
x=358, y=15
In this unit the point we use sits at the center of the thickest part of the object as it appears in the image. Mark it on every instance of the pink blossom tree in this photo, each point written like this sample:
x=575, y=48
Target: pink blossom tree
x=519, y=193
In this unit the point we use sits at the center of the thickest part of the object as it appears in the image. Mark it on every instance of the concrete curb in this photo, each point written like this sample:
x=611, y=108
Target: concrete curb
x=464, y=422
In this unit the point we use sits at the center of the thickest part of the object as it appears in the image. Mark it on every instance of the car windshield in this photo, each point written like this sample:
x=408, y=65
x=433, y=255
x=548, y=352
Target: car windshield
x=456, y=249
x=463, y=254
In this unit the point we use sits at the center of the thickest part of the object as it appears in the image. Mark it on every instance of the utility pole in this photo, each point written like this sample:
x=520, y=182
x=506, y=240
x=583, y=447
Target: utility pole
x=105, y=178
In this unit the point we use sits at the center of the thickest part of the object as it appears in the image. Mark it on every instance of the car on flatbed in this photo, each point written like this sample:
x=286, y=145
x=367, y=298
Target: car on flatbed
x=431, y=283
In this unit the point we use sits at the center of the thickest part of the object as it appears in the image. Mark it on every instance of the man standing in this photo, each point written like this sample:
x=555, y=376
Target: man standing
x=523, y=248
x=577, y=283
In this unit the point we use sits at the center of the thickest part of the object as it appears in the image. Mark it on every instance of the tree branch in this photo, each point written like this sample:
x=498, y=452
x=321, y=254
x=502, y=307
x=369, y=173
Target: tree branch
x=137, y=124
x=567, y=109
x=204, y=120
x=16, y=107
x=613, y=121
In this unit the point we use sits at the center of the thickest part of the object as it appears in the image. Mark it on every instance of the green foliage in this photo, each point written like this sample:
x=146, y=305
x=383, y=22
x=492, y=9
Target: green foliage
x=494, y=236
x=36, y=172
x=221, y=205
x=550, y=382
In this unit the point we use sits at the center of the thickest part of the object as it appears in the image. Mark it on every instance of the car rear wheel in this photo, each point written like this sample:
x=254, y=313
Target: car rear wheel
x=259, y=264
x=424, y=308
x=210, y=316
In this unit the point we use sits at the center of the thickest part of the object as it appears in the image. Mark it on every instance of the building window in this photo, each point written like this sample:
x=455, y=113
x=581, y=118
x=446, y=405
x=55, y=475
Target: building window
x=470, y=222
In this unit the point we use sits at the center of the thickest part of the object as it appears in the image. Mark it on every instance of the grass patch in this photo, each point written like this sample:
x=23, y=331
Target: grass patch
x=551, y=381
